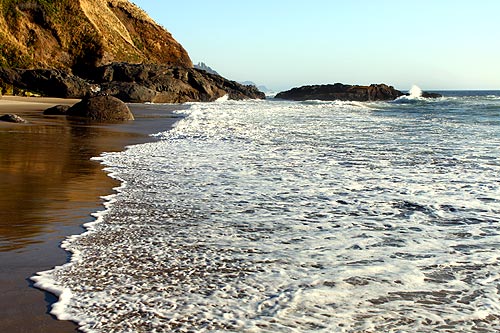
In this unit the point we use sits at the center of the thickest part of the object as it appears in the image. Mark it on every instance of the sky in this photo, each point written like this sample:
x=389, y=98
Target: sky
x=435, y=44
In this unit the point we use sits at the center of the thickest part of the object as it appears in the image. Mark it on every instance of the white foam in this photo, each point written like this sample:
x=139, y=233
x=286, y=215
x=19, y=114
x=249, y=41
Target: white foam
x=281, y=216
x=47, y=280
x=224, y=98
x=415, y=95
x=415, y=92
x=44, y=281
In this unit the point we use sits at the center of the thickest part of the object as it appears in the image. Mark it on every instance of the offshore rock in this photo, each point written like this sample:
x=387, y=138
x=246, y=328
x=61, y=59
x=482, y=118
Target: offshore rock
x=427, y=94
x=342, y=92
x=12, y=118
x=102, y=109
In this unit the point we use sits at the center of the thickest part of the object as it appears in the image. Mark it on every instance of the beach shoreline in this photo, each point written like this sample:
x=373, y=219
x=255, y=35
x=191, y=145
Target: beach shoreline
x=49, y=187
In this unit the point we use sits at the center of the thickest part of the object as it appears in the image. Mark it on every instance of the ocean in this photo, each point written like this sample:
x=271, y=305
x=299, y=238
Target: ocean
x=279, y=216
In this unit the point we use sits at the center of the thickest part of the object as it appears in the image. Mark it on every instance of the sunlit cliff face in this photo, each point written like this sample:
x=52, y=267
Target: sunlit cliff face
x=38, y=34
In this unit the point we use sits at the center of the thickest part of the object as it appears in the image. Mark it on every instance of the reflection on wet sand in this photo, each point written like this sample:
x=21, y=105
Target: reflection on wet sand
x=42, y=169
x=48, y=189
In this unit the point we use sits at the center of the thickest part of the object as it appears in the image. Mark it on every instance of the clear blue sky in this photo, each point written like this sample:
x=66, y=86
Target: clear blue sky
x=436, y=44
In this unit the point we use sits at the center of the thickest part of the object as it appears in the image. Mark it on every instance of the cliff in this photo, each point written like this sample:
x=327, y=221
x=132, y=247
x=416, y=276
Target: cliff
x=74, y=35
x=77, y=48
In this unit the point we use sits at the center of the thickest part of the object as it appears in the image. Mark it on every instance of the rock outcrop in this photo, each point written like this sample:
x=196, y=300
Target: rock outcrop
x=342, y=92
x=46, y=82
x=135, y=83
x=77, y=34
x=426, y=94
x=102, y=109
x=57, y=110
x=164, y=84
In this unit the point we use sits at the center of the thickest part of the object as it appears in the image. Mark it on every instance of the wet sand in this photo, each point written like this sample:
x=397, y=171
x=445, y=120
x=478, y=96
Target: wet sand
x=48, y=189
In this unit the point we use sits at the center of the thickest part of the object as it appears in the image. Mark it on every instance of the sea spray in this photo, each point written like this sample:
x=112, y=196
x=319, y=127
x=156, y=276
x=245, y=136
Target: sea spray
x=414, y=96
x=415, y=92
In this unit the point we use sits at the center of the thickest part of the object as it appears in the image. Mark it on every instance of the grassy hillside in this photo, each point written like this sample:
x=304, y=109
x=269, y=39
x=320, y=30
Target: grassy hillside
x=76, y=34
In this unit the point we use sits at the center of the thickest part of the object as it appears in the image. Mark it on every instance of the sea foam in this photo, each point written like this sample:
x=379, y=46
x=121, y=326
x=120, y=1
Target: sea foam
x=415, y=92
x=262, y=216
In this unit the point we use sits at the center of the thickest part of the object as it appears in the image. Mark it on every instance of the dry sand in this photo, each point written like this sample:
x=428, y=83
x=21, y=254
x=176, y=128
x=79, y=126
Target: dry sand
x=48, y=189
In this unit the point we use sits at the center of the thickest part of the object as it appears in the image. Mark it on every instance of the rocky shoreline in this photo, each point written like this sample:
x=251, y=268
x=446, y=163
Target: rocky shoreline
x=131, y=83
x=110, y=48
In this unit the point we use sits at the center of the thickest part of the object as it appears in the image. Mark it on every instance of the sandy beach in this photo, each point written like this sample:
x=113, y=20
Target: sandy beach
x=48, y=189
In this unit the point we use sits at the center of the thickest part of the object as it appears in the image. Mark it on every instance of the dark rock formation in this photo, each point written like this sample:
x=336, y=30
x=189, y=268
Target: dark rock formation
x=129, y=92
x=134, y=83
x=12, y=118
x=427, y=94
x=342, y=92
x=164, y=84
x=58, y=110
x=101, y=108
x=47, y=82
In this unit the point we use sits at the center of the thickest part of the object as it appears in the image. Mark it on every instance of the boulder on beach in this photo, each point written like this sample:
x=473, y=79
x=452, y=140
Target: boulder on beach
x=101, y=108
x=12, y=118
x=57, y=110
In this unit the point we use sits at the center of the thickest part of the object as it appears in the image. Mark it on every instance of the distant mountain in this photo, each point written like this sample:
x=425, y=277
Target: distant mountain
x=247, y=83
x=206, y=68
x=262, y=88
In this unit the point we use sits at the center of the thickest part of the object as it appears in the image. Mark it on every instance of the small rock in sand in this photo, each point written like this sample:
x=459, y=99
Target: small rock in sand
x=12, y=118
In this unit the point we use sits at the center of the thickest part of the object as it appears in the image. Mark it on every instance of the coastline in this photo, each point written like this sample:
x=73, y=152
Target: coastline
x=49, y=188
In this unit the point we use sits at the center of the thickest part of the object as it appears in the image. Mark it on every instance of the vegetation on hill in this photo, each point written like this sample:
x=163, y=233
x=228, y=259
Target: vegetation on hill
x=78, y=34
